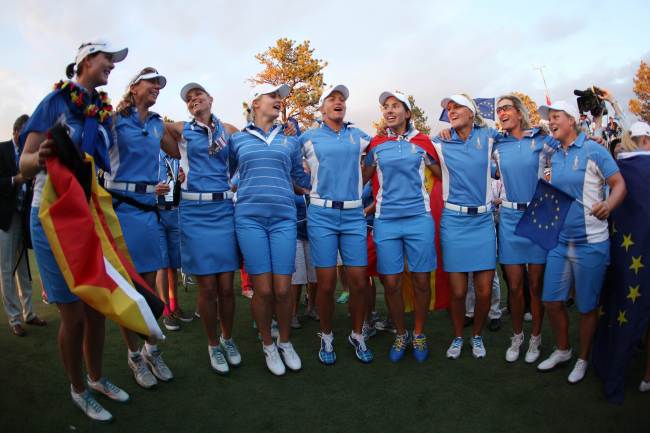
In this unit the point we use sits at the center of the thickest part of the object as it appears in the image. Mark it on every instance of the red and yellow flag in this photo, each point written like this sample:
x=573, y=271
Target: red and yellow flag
x=89, y=247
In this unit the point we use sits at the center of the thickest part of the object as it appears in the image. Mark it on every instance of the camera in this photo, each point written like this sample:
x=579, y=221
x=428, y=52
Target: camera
x=589, y=102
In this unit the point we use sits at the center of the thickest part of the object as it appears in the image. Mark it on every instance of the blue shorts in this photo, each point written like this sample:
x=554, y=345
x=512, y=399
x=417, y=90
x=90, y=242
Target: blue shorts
x=140, y=229
x=267, y=244
x=514, y=249
x=208, y=242
x=170, y=239
x=54, y=284
x=331, y=230
x=468, y=242
x=411, y=236
x=582, y=266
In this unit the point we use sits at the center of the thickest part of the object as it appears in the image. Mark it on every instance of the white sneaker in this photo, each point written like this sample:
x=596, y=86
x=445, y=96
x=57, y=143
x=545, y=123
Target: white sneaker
x=218, y=360
x=512, y=354
x=108, y=388
x=557, y=357
x=157, y=365
x=532, y=354
x=455, y=348
x=141, y=373
x=289, y=356
x=578, y=372
x=273, y=361
x=478, y=349
x=91, y=407
x=230, y=349
x=644, y=386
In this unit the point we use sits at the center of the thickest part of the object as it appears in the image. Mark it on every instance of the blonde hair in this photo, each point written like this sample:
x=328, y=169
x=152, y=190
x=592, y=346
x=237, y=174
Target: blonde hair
x=521, y=108
x=128, y=100
x=627, y=143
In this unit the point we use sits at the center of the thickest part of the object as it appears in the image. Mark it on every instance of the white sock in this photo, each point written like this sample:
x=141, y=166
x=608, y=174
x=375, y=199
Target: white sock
x=358, y=337
x=328, y=337
x=150, y=347
x=133, y=354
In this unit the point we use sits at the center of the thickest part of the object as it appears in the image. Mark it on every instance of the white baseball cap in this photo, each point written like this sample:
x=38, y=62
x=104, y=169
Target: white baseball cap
x=265, y=89
x=397, y=95
x=162, y=81
x=639, y=129
x=569, y=109
x=191, y=86
x=338, y=88
x=460, y=100
x=100, y=46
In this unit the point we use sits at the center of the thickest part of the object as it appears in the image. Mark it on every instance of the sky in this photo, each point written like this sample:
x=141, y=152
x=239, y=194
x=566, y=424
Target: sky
x=429, y=49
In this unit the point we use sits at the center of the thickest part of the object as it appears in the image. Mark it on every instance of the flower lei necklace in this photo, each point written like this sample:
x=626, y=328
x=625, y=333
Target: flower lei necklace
x=78, y=97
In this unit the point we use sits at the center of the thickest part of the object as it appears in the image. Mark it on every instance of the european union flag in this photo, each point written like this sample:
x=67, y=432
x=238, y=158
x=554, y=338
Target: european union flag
x=544, y=217
x=485, y=108
x=625, y=300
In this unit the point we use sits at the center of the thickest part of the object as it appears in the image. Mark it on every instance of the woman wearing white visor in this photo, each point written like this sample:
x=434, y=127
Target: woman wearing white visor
x=467, y=233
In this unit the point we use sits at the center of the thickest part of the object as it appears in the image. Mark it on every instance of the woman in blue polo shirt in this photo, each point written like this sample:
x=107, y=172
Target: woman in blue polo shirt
x=207, y=228
x=268, y=162
x=335, y=217
x=521, y=153
x=467, y=233
x=403, y=221
x=82, y=328
x=582, y=168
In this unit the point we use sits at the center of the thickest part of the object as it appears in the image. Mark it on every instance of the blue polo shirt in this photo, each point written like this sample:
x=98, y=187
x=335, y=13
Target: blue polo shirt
x=204, y=157
x=135, y=151
x=334, y=160
x=582, y=171
x=400, y=168
x=268, y=165
x=56, y=105
x=466, y=166
x=521, y=163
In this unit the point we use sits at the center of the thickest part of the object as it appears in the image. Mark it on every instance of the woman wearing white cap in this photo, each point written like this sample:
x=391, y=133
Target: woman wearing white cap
x=403, y=224
x=269, y=163
x=81, y=335
x=207, y=219
x=467, y=234
x=518, y=153
x=581, y=168
x=335, y=217
x=132, y=182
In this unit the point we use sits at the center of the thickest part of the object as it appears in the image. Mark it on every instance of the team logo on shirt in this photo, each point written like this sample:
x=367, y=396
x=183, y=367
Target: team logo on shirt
x=156, y=133
x=351, y=138
x=576, y=162
x=414, y=148
x=532, y=144
x=478, y=144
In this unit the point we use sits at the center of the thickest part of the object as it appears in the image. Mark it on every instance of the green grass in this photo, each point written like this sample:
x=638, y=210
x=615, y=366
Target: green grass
x=467, y=395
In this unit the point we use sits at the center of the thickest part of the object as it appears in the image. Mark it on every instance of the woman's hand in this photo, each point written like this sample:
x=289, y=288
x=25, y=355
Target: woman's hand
x=45, y=151
x=162, y=188
x=600, y=210
x=445, y=134
x=181, y=175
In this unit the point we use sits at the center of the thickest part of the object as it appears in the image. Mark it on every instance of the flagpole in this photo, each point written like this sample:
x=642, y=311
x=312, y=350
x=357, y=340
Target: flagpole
x=541, y=72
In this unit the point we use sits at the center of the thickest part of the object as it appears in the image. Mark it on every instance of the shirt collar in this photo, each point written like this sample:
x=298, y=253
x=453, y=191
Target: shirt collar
x=406, y=136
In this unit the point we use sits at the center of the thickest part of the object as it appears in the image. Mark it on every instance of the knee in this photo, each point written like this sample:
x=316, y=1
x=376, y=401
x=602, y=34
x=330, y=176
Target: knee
x=263, y=294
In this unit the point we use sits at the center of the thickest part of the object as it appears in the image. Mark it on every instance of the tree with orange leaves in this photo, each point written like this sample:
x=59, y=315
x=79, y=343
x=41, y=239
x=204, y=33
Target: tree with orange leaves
x=641, y=105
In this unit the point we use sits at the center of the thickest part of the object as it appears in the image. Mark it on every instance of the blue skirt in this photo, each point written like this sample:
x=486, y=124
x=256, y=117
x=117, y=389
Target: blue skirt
x=141, y=232
x=468, y=242
x=208, y=240
x=513, y=249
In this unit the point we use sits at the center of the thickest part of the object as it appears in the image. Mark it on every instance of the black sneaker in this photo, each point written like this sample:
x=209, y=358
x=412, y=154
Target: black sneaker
x=495, y=325
x=171, y=323
x=181, y=315
x=469, y=321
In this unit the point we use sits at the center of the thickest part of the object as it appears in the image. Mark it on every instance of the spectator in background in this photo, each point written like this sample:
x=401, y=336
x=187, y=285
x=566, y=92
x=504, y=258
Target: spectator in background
x=16, y=287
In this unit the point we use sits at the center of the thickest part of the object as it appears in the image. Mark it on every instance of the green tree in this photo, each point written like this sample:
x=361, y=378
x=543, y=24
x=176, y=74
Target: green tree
x=641, y=105
x=293, y=64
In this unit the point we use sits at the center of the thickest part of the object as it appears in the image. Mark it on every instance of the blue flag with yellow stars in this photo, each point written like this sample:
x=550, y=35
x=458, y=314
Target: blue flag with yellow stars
x=544, y=217
x=624, y=309
x=485, y=108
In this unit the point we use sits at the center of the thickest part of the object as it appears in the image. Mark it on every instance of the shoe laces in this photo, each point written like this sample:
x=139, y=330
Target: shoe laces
x=109, y=386
x=218, y=355
x=230, y=346
x=90, y=401
x=327, y=341
x=400, y=342
x=272, y=353
x=420, y=342
x=457, y=343
x=361, y=345
x=140, y=365
x=477, y=341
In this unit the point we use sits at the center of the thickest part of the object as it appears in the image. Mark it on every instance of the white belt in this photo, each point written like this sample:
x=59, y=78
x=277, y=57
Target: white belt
x=515, y=205
x=471, y=210
x=350, y=204
x=142, y=188
x=207, y=196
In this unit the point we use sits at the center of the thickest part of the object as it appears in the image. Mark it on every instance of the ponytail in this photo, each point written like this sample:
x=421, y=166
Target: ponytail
x=70, y=70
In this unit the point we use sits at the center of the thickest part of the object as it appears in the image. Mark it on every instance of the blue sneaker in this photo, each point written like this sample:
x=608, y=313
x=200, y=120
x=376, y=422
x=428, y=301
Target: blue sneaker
x=326, y=354
x=420, y=348
x=363, y=352
x=398, y=349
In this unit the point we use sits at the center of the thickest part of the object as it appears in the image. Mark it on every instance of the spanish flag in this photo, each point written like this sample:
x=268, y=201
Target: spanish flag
x=87, y=243
x=440, y=291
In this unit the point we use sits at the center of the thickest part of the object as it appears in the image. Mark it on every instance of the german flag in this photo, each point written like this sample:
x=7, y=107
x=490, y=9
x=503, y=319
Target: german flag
x=88, y=245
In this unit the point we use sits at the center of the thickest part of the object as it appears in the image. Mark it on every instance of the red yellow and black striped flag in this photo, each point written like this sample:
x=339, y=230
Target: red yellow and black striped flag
x=89, y=247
